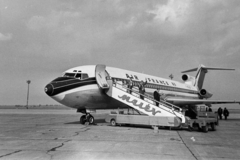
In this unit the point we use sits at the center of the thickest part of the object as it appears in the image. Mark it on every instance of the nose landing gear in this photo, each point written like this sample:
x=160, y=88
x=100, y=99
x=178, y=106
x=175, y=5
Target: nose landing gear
x=87, y=118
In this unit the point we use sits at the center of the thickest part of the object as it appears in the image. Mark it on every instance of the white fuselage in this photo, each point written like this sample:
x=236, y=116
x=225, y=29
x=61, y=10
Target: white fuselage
x=78, y=87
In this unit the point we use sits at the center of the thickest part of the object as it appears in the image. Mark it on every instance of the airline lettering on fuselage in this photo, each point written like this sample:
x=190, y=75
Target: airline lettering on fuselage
x=151, y=80
x=133, y=77
x=147, y=108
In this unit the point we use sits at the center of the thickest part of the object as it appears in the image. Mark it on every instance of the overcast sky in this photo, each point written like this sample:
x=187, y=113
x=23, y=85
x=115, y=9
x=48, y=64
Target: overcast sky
x=39, y=39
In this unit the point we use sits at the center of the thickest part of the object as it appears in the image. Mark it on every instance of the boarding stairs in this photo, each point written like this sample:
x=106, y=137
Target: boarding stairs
x=171, y=113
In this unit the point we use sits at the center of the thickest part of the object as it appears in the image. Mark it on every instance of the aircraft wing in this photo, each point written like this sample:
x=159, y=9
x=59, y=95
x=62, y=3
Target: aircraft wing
x=182, y=101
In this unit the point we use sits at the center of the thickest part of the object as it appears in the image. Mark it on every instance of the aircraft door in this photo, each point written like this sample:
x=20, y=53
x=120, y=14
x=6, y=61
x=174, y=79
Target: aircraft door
x=100, y=74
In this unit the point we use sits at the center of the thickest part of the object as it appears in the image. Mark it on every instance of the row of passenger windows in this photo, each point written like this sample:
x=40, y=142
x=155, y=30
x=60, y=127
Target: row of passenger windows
x=76, y=75
x=151, y=80
x=155, y=86
x=168, y=88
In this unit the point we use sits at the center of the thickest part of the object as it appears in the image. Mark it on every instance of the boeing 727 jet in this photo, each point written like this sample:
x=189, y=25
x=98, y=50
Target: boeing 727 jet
x=94, y=87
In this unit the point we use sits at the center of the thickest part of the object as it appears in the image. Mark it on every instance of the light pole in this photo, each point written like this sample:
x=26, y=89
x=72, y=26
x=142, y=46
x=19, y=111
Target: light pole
x=28, y=82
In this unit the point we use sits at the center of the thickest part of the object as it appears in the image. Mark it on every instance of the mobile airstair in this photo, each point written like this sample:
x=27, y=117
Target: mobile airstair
x=165, y=114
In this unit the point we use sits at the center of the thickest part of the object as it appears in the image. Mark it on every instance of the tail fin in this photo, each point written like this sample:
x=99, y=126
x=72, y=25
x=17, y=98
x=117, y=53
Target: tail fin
x=201, y=71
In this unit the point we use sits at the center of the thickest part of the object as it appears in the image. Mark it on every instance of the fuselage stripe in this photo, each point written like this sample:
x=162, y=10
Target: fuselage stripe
x=62, y=86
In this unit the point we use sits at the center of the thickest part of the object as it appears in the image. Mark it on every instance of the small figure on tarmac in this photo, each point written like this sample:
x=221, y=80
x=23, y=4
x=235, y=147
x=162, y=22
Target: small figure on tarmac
x=225, y=113
x=141, y=87
x=220, y=112
x=130, y=85
x=156, y=96
x=192, y=112
x=209, y=109
x=114, y=82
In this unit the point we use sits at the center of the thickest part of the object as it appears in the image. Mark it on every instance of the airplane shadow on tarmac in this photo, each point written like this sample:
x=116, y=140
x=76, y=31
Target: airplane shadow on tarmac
x=96, y=121
x=100, y=121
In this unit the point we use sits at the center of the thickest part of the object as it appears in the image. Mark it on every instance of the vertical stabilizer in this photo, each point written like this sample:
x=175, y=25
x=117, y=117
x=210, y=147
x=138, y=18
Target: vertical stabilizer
x=201, y=72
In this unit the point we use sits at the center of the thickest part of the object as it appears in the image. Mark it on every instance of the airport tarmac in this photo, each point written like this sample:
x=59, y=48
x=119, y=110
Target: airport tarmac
x=57, y=134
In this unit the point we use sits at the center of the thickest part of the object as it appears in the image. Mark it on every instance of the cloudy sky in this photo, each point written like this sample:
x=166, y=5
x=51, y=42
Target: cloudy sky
x=39, y=39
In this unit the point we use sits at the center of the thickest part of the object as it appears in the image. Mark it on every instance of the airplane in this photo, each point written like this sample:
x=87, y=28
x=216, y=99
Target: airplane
x=86, y=88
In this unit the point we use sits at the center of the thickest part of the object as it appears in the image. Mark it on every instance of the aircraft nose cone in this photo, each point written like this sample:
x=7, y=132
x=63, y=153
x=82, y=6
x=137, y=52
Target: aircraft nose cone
x=48, y=89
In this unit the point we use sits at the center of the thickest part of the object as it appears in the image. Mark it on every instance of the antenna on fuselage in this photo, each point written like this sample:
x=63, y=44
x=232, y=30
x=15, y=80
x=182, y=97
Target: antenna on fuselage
x=171, y=76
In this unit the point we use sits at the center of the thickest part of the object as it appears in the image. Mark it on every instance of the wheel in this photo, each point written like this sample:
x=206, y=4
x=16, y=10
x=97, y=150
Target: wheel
x=82, y=119
x=205, y=128
x=213, y=126
x=179, y=127
x=190, y=128
x=113, y=122
x=217, y=121
x=199, y=128
x=91, y=119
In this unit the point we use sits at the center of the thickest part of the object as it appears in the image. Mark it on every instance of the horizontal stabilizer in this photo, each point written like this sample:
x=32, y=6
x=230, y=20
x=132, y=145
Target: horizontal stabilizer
x=206, y=68
x=190, y=70
x=213, y=68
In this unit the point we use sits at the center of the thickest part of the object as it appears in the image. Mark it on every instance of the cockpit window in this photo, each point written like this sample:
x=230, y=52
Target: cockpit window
x=84, y=76
x=69, y=75
x=78, y=75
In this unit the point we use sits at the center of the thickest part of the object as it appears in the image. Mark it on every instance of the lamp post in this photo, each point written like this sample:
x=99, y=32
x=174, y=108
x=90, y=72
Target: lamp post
x=28, y=82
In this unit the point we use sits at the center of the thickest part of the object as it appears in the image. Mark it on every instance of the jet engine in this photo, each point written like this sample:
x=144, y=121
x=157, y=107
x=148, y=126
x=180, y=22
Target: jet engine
x=186, y=77
x=205, y=94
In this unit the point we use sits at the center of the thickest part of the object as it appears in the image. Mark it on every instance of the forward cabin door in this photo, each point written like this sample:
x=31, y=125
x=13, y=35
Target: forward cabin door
x=101, y=75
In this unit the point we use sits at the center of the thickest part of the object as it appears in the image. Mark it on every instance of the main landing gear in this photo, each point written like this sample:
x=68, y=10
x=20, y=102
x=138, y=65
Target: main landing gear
x=87, y=118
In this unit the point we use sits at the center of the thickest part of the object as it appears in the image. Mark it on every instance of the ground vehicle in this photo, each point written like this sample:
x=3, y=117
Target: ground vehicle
x=137, y=119
x=203, y=121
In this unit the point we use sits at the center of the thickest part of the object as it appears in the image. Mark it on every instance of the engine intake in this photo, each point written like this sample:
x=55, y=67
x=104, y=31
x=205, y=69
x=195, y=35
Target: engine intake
x=185, y=77
x=205, y=94
x=188, y=79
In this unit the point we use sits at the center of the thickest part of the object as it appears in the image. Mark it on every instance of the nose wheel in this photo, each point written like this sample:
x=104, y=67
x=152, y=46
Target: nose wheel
x=87, y=118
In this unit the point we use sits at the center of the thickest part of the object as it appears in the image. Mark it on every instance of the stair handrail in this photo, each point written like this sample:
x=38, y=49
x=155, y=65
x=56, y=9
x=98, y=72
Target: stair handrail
x=164, y=103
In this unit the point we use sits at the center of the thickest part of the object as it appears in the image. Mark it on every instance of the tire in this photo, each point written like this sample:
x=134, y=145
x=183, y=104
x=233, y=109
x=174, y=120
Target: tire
x=113, y=122
x=199, y=128
x=213, y=126
x=190, y=129
x=205, y=129
x=82, y=119
x=217, y=123
x=91, y=119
